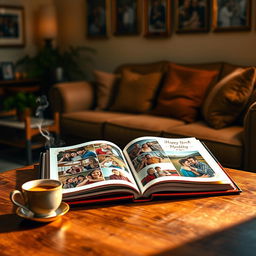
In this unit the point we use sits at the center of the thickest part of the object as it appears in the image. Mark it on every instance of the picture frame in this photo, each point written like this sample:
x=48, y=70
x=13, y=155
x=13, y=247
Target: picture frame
x=231, y=15
x=7, y=71
x=125, y=17
x=12, y=28
x=157, y=18
x=96, y=18
x=192, y=16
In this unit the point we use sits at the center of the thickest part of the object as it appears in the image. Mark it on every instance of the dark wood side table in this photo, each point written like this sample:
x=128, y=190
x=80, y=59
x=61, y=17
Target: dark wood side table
x=19, y=82
x=29, y=130
x=19, y=85
x=214, y=226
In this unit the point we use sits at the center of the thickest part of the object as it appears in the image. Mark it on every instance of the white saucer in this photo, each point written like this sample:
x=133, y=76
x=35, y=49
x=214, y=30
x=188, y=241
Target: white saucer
x=63, y=208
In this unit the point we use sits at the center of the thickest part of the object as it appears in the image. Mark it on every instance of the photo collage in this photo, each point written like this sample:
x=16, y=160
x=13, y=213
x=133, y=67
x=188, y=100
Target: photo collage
x=89, y=164
x=151, y=161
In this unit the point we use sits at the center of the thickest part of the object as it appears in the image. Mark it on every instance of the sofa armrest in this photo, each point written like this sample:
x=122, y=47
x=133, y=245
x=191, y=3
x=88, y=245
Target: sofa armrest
x=71, y=96
x=250, y=139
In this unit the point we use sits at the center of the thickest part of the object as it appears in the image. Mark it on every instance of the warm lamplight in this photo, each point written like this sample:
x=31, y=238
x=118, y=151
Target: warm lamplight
x=47, y=22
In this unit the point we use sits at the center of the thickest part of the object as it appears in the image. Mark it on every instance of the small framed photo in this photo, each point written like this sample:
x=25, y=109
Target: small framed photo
x=96, y=19
x=157, y=18
x=192, y=16
x=125, y=17
x=232, y=15
x=12, y=29
x=7, y=70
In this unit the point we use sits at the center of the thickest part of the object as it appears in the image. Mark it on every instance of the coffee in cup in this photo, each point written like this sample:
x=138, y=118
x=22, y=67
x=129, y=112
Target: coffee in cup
x=42, y=196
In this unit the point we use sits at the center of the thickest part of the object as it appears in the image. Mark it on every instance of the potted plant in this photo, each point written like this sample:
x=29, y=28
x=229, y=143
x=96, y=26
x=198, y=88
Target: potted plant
x=75, y=63
x=23, y=103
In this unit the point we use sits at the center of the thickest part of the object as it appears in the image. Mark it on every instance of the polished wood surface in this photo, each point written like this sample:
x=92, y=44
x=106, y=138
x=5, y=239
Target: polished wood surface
x=220, y=225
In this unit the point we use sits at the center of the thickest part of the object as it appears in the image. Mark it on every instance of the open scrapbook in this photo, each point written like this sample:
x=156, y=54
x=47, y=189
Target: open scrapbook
x=146, y=168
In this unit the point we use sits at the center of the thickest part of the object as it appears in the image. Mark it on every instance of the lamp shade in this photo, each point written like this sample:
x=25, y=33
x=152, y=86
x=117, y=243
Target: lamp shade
x=47, y=22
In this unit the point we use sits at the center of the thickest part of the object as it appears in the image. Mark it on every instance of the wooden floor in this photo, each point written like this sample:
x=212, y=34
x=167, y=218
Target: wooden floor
x=12, y=158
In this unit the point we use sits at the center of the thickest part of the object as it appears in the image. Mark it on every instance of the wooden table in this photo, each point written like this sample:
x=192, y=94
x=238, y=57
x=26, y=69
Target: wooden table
x=221, y=225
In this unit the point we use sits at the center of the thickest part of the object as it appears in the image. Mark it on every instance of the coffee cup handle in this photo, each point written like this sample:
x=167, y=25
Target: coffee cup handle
x=12, y=197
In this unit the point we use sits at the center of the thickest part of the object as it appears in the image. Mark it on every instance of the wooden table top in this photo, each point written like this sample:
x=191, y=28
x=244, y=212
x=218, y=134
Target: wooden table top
x=220, y=225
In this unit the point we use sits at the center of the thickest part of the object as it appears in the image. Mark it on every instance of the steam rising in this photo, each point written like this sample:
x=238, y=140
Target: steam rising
x=43, y=104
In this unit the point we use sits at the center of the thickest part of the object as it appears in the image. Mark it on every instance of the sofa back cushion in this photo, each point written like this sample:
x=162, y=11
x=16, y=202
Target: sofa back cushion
x=71, y=96
x=144, y=68
x=229, y=97
x=183, y=92
x=136, y=91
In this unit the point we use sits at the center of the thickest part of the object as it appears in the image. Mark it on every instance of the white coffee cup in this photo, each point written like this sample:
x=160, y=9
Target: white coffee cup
x=42, y=196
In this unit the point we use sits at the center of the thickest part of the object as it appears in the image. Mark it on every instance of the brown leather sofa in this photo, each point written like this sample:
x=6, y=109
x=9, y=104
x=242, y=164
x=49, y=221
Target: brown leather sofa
x=233, y=146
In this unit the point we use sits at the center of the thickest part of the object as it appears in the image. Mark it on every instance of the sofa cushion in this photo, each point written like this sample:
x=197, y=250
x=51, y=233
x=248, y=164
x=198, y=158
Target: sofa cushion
x=136, y=91
x=183, y=92
x=229, y=97
x=126, y=128
x=226, y=144
x=62, y=96
x=205, y=66
x=87, y=124
x=226, y=70
x=104, y=88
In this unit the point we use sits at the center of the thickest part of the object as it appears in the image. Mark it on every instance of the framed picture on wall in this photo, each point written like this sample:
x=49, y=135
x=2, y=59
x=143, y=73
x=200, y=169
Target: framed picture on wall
x=12, y=29
x=7, y=70
x=157, y=18
x=231, y=15
x=192, y=16
x=96, y=19
x=125, y=17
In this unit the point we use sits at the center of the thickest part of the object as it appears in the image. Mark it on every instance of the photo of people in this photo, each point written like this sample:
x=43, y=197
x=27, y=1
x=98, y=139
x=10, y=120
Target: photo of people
x=74, y=169
x=157, y=171
x=125, y=13
x=165, y=171
x=81, y=179
x=90, y=163
x=157, y=17
x=147, y=159
x=70, y=168
x=233, y=13
x=191, y=164
x=115, y=174
x=76, y=154
x=6, y=70
x=107, y=161
x=192, y=15
x=144, y=146
x=106, y=149
x=92, y=177
x=151, y=175
x=73, y=181
x=96, y=18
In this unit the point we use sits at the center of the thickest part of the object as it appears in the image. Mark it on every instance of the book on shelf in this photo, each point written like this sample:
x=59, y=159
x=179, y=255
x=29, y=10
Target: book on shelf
x=147, y=168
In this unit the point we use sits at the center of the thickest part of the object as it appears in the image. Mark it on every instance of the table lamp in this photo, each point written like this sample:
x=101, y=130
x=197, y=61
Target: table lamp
x=47, y=24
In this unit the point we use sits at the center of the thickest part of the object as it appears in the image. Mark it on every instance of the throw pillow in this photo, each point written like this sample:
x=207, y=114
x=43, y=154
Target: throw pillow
x=136, y=91
x=228, y=98
x=104, y=88
x=183, y=92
